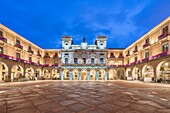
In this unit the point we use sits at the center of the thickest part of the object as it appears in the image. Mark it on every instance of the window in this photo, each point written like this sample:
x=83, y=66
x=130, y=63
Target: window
x=84, y=60
x=92, y=60
x=102, y=60
x=29, y=47
x=18, y=55
x=1, y=50
x=147, y=54
x=17, y=42
x=100, y=74
x=128, y=61
x=66, y=60
x=1, y=33
x=111, y=55
x=55, y=61
x=67, y=74
x=165, y=48
x=75, y=61
x=165, y=30
x=147, y=41
x=30, y=59
x=136, y=47
x=136, y=58
x=38, y=61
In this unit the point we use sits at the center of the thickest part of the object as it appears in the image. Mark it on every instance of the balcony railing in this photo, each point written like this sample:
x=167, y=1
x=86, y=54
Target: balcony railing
x=134, y=51
x=145, y=45
x=127, y=54
x=30, y=51
x=3, y=39
x=19, y=46
x=162, y=36
x=120, y=56
x=112, y=56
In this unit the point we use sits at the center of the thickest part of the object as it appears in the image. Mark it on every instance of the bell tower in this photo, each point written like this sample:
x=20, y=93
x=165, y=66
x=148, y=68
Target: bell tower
x=67, y=42
x=101, y=42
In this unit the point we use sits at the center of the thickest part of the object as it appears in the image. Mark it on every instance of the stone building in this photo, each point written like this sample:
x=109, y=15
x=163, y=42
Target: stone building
x=147, y=59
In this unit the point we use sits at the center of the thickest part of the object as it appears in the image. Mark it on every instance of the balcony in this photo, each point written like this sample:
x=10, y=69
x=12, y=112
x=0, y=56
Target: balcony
x=30, y=51
x=46, y=56
x=55, y=56
x=19, y=46
x=39, y=54
x=3, y=39
x=162, y=36
x=134, y=51
x=112, y=56
x=127, y=54
x=120, y=56
x=55, y=65
x=146, y=45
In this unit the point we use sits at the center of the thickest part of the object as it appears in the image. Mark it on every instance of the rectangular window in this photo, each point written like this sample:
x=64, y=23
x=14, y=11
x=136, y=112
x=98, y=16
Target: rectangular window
x=75, y=61
x=30, y=59
x=136, y=58
x=165, y=29
x=84, y=60
x=136, y=47
x=66, y=60
x=1, y=50
x=147, y=41
x=102, y=60
x=165, y=48
x=17, y=42
x=1, y=33
x=18, y=55
x=128, y=61
x=147, y=54
x=55, y=61
x=92, y=60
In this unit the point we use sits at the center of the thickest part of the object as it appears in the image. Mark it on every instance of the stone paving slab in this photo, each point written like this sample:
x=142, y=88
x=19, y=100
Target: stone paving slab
x=78, y=97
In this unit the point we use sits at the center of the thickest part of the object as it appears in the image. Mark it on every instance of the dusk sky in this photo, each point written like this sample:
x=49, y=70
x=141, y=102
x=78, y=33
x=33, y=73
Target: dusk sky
x=44, y=22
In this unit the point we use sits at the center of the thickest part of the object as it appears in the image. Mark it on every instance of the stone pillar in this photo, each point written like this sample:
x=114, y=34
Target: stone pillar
x=79, y=75
x=71, y=74
x=106, y=75
x=97, y=74
x=62, y=75
x=155, y=76
x=88, y=74
x=1, y=76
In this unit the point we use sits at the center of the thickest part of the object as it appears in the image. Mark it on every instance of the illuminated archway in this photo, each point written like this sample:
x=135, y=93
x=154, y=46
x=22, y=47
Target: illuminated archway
x=83, y=75
x=121, y=74
x=29, y=73
x=75, y=74
x=3, y=71
x=101, y=74
x=136, y=74
x=112, y=74
x=55, y=74
x=17, y=73
x=148, y=72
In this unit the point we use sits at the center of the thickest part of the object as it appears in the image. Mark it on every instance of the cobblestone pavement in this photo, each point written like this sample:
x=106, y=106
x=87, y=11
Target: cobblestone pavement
x=83, y=97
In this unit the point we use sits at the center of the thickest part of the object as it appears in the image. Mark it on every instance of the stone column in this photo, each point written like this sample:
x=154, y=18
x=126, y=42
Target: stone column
x=71, y=74
x=106, y=75
x=62, y=75
x=79, y=75
x=97, y=74
x=88, y=74
x=1, y=76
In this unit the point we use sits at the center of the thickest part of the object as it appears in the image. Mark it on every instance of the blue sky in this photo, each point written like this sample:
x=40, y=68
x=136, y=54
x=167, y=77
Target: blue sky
x=44, y=22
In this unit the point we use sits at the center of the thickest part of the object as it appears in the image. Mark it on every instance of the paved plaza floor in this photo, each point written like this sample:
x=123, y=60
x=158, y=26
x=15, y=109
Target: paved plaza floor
x=84, y=97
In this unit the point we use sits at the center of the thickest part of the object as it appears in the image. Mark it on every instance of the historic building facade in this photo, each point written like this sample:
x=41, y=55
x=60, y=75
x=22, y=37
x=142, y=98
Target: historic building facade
x=147, y=59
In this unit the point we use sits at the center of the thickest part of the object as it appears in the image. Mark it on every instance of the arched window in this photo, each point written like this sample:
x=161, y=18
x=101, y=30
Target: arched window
x=1, y=33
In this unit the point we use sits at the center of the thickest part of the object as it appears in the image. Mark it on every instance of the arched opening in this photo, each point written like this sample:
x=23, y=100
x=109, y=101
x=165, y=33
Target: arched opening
x=66, y=74
x=136, y=74
x=112, y=74
x=75, y=74
x=163, y=71
x=121, y=74
x=92, y=74
x=47, y=74
x=17, y=73
x=29, y=73
x=148, y=73
x=83, y=75
x=38, y=74
x=55, y=74
x=3, y=72
x=128, y=74
x=101, y=74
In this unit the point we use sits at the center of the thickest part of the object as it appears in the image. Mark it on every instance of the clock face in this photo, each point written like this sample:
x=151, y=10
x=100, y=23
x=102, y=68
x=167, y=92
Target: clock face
x=66, y=43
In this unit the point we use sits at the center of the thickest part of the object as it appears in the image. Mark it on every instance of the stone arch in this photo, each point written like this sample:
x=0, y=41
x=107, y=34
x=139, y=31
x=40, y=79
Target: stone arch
x=29, y=73
x=163, y=71
x=66, y=74
x=92, y=74
x=101, y=74
x=3, y=72
x=112, y=74
x=55, y=74
x=17, y=73
x=46, y=74
x=83, y=74
x=136, y=73
x=121, y=74
x=75, y=74
x=148, y=72
x=38, y=73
